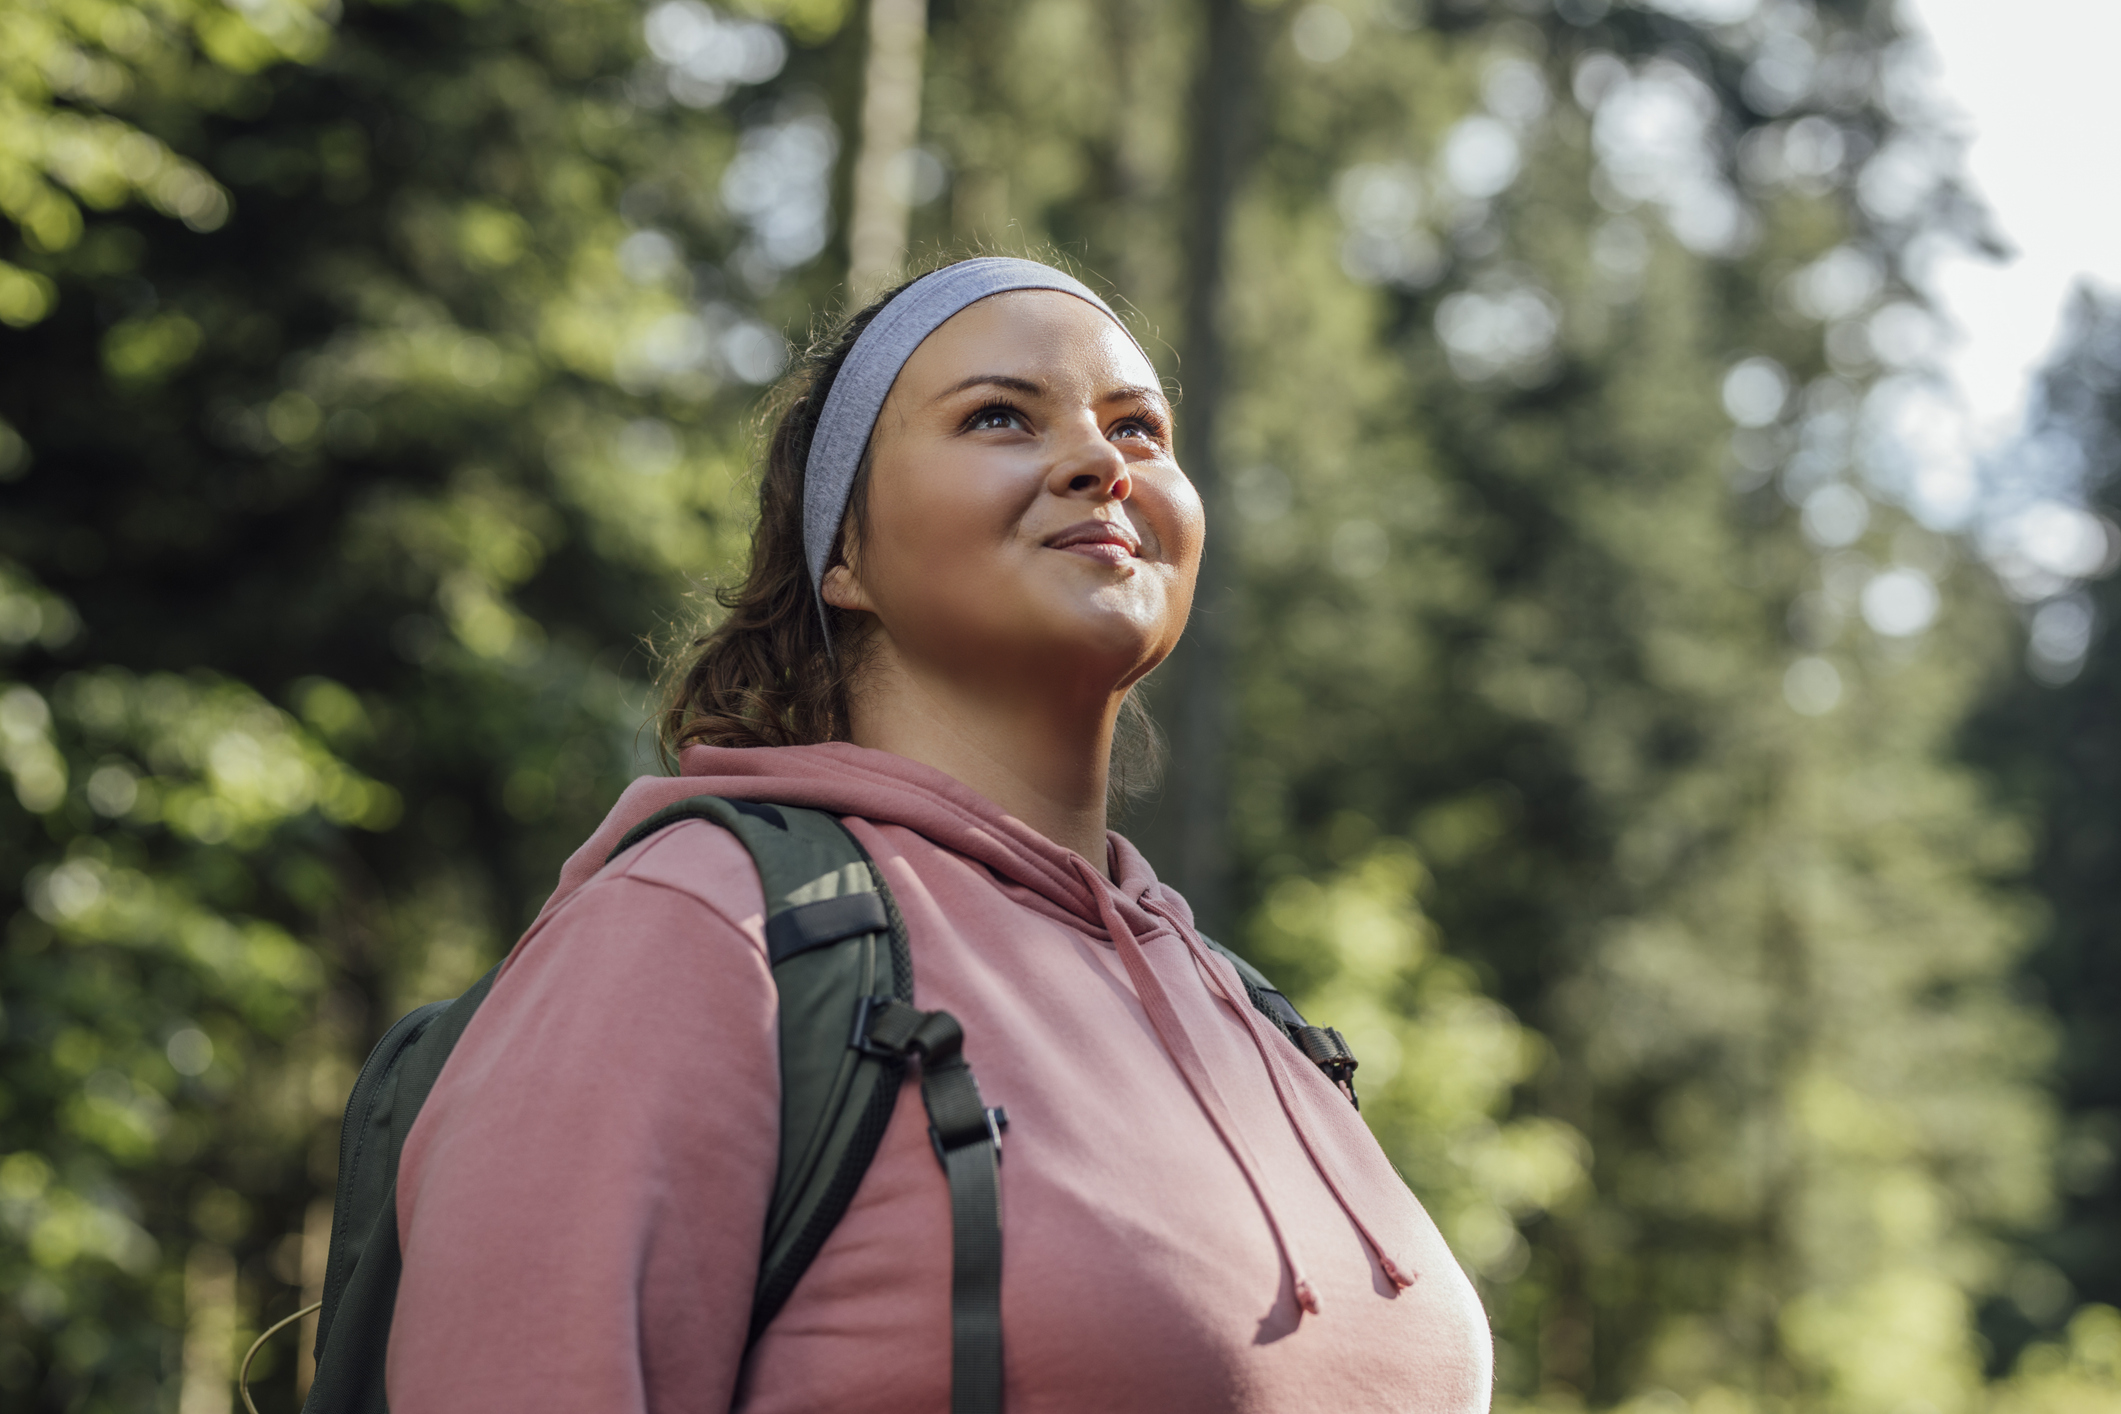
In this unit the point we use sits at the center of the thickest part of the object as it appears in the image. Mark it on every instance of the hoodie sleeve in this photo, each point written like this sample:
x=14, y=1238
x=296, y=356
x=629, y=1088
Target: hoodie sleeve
x=580, y=1202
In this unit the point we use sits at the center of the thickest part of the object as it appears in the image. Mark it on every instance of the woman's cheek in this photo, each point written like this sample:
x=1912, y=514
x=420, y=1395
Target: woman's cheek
x=1177, y=517
x=1175, y=602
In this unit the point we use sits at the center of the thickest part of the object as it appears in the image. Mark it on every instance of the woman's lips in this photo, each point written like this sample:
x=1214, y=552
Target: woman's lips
x=1099, y=540
x=1103, y=551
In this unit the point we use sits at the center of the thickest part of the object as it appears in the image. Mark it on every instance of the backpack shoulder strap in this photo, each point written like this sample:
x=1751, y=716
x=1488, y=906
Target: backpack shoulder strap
x=1323, y=1046
x=840, y=959
x=834, y=937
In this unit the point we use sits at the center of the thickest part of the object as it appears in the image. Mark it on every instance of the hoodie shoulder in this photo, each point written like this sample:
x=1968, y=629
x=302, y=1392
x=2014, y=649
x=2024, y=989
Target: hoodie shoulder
x=694, y=858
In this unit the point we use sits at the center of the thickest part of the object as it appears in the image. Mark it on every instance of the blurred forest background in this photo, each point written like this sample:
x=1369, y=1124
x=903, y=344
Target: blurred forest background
x=1712, y=862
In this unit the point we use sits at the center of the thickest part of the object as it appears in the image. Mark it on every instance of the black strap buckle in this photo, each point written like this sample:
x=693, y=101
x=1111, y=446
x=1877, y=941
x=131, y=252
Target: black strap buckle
x=865, y=1010
x=1327, y=1049
x=997, y=1120
x=869, y=1014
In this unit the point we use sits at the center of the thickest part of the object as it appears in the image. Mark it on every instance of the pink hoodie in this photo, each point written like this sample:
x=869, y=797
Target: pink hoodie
x=1193, y=1218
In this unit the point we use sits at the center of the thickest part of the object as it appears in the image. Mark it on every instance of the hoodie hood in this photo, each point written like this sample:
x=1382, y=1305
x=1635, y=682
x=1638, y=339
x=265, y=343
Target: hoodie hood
x=844, y=779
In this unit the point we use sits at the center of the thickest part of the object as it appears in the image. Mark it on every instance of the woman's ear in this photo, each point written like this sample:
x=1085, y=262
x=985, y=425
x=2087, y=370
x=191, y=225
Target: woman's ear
x=842, y=589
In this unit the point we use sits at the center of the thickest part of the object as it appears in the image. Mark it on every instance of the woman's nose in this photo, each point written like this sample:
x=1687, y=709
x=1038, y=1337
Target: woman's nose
x=1089, y=464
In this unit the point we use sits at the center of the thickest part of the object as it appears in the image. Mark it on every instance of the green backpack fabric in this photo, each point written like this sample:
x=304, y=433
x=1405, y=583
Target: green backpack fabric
x=848, y=1031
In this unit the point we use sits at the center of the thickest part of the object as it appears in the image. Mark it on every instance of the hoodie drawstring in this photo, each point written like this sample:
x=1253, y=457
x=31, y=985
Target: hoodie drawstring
x=1177, y=1044
x=1273, y=1054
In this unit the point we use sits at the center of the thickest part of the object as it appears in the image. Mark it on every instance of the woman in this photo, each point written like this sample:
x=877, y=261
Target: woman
x=973, y=540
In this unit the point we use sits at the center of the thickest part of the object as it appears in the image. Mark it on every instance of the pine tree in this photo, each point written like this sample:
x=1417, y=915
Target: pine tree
x=373, y=396
x=2051, y=744
x=1513, y=590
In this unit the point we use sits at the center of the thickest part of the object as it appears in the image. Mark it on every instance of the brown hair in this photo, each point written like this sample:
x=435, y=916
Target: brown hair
x=763, y=673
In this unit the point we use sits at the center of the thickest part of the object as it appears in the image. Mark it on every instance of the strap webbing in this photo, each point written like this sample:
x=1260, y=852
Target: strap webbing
x=967, y=1139
x=975, y=1261
x=825, y=921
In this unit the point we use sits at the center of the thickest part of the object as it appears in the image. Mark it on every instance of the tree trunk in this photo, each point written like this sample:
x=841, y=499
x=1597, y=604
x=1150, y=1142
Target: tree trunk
x=1192, y=827
x=891, y=121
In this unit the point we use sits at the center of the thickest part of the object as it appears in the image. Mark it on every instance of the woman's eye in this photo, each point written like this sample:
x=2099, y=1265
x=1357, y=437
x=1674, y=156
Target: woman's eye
x=995, y=419
x=1134, y=428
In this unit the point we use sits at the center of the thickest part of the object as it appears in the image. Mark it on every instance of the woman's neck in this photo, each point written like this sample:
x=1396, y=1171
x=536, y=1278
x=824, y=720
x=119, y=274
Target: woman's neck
x=1042, y=760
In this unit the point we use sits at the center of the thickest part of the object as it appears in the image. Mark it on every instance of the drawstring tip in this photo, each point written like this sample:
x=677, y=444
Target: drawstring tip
x=1307, y=1298
x=1399, y=1277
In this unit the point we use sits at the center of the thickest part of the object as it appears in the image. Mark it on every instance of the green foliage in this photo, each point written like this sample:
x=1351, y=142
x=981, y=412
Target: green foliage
x=1439, y=1061
x=66, y=64
x=2079, y=1374
x=1513, y=588
x=164, y=1052
x=2049, y=744
x=339, y=512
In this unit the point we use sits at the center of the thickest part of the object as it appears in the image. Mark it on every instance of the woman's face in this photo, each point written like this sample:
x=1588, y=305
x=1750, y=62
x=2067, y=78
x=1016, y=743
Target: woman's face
x=1026, y=523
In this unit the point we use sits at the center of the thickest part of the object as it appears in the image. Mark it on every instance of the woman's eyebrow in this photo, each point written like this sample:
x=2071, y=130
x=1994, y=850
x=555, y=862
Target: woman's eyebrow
x=994, y=380
x=1130, y=392
x=1134, y=393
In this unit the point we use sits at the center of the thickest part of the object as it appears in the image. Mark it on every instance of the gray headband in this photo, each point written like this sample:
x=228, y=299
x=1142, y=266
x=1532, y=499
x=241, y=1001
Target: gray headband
x=873, y=365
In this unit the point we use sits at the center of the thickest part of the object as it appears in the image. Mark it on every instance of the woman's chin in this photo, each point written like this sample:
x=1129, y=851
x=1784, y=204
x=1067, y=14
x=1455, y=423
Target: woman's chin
x=1062, y=629
x=1120, y=633
x=1077, y=643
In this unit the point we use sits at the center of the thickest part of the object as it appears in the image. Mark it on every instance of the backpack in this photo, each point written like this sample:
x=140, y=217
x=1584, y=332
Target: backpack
x=848, y=1030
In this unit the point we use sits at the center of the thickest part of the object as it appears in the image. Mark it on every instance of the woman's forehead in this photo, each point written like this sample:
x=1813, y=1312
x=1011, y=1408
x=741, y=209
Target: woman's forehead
x=1041, y=336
